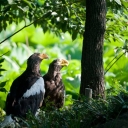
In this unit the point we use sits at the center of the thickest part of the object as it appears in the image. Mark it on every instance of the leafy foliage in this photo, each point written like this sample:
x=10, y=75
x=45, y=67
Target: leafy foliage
x=47, y=14
x=2, y=84
x=2, y=114
x=115, y=50
x=81, y=113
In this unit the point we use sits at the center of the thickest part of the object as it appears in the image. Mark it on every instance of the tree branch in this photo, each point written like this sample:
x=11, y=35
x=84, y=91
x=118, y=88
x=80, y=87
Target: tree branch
x=4, y=53
x=20, y=30
x=17, y=32
x=110, y=62
x=115, y=62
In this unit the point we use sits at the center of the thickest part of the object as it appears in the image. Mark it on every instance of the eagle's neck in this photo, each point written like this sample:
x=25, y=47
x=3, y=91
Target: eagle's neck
x=52, y=74
x=34, y=69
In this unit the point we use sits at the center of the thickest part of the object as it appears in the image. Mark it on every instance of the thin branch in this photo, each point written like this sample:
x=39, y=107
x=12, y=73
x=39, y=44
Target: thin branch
x=115, y=62
x=110, y=62
x=16, y=32
x=4, y=53
x=20, y=30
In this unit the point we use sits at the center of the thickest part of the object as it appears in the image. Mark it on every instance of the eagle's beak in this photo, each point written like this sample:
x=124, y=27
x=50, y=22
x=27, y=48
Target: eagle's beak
x=63, y=62
x=43, y=56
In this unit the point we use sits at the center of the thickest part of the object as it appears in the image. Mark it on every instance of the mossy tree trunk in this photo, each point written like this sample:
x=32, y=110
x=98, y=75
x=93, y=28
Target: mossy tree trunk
x=92, y=75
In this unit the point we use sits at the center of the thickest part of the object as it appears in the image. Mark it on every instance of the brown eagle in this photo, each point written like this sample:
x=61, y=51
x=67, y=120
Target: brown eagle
x=54, y=88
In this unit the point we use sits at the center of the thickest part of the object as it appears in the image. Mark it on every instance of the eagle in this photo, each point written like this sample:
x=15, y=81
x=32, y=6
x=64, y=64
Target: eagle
x=27, y=91
x=54, y=87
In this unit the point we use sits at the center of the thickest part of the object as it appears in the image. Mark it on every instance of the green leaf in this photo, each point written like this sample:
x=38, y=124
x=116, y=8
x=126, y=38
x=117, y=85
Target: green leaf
x=3, y=84
x=118, y=2
x=125, y=4
x=2, y=70
x=117, y=51
x=45, y=29
x=3, y=90
x=4, y=25
x=74, y=35
x=1, y=60
x=2, y=105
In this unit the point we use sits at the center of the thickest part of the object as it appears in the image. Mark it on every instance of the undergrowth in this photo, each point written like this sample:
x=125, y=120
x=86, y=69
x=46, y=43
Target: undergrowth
x=81, y=114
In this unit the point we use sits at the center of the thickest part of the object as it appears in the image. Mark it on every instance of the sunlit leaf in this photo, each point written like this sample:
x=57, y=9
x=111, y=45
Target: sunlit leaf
x=118, y=1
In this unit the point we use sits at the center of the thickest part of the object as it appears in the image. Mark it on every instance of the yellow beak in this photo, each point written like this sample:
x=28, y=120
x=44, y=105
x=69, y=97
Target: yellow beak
x=43, y=56
x=63, y=62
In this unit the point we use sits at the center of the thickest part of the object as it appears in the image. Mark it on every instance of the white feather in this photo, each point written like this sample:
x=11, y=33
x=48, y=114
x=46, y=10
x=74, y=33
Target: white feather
x=7, y=121
x=35, y=88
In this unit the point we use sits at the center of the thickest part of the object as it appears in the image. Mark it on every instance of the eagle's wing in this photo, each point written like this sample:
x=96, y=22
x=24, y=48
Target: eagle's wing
x=55, y=91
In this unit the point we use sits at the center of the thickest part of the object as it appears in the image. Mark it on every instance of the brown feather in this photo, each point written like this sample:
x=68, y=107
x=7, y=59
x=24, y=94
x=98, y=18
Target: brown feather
x=54, y=88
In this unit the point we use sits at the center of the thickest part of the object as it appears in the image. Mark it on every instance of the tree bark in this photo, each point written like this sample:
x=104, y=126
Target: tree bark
x=92, y=75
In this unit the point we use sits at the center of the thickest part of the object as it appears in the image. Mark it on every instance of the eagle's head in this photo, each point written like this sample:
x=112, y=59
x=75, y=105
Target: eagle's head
x=56, y=65
x=33, y=62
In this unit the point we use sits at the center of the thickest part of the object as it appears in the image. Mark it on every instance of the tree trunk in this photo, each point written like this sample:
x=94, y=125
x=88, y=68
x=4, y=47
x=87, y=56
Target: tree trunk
x=92, y=75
